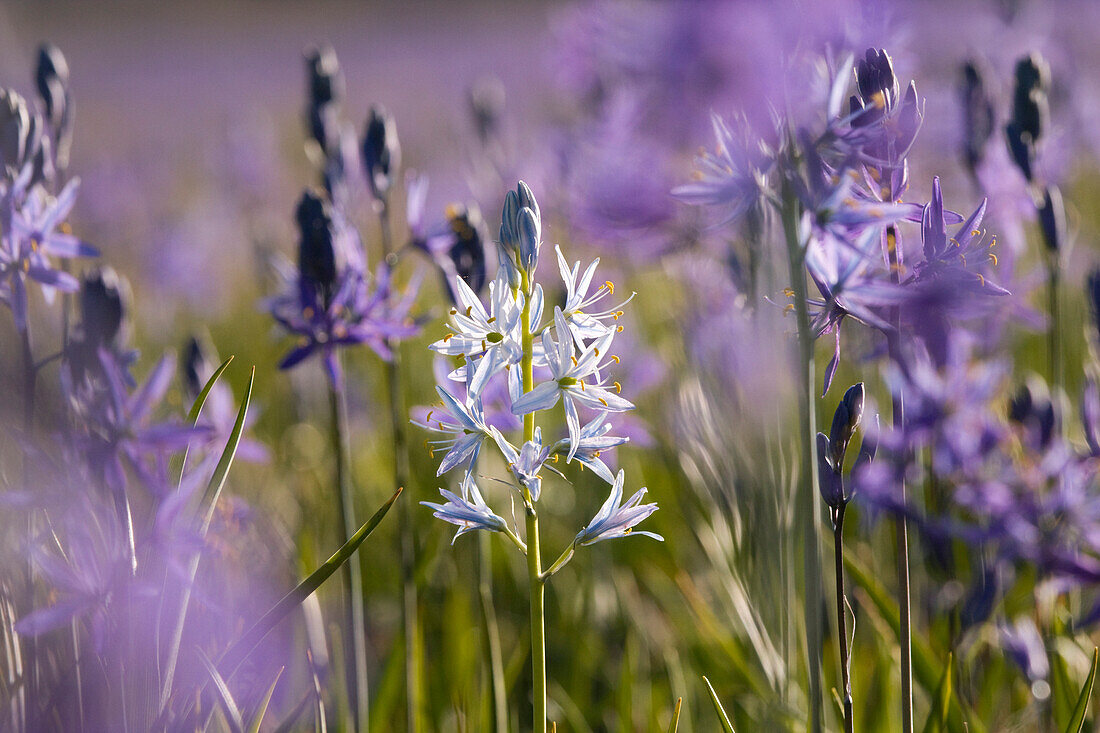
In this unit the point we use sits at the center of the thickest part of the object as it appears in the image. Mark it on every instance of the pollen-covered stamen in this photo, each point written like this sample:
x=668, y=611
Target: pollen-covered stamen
x=618, y=388
x=615, y=359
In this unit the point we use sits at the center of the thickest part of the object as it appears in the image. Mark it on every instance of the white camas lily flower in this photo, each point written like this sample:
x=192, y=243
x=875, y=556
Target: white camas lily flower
x=469, y=511
x=613, y=521
x=464, y=423
x=568, y=373
x=586, y=322
x=493, y=335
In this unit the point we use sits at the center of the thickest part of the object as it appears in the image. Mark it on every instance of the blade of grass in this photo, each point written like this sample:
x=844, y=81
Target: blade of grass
x=225, y=697
x=672, y=726
x=937, y=716
x=1077, y=720
x=209, y=502
x=258, y=716
x=244, y=646
x=727, y=726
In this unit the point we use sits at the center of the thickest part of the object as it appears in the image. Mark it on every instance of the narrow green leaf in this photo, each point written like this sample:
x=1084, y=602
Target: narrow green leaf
x=937, y=716
x=727, y=726
x=178, y=462
x=244, y=646
x=196, y=406
x=258, y=717
x=1077, y=721
x=675, y=716
x=225, y=698
x=1063, y=692
x=225, y=462
x=291, y=722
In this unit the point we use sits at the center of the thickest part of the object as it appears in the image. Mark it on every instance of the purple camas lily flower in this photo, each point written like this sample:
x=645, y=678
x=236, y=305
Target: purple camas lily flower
x=328, y=303
x=469, y=511
x=38, y=232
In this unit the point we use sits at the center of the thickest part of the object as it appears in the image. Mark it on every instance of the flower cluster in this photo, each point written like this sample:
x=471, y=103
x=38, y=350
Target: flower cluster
x=543, y=359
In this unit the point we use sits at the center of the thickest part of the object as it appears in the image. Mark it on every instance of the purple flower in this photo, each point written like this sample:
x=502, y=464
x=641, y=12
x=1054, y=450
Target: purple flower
x=37, y=232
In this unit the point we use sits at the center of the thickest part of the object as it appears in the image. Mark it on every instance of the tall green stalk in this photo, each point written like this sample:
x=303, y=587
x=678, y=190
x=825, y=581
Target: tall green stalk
x=807, y=497
x=841, y=623
x=534, y=559
x=401, y=478
x=492, y=633
x=357, y=616
x=905, y=632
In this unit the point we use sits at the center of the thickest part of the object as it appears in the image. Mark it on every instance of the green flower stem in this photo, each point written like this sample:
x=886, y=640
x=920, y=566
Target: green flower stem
x=401, y=478
x=807, y=499
x=534, y=559
x=357, y=616
x=1054, y=333
x=905, y=633
x=841, y=623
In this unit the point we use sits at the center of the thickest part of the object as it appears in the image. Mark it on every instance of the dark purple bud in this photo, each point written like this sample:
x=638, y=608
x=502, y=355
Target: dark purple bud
x=194, y=364
x=868, y=449
x=829, y=480
x=381, y=151
x=1031, y=408
x=845, y=421
x=978, y=115
x=910, y=116
x=1020, y=147
x=1052, y=218
x=1029, y=99
x=316, y=250
x=18, y=133
x=326, y=85
x=51, y=76
x=103, y=297
x=1093, y=287
x=467, y=251
x=875, y=78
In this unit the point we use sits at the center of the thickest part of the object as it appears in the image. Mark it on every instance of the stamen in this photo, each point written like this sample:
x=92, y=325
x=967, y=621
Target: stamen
x=574, y=360
x=610, y=286
x=615, y=359
x=618, y=329
x=603, y=401
x=469, y=310
x=993, y=259
x=448, y=337
x=618, y=388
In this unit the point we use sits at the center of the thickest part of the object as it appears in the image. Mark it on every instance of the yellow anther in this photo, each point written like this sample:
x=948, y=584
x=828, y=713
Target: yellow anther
x=574, y=360
x=697, y=175
x=615, y=358
x=429, y=417
x=451, y=211
x=981, y=280
x=788, y=292
x=454, y=311
x=975, y=232
x=469, y=310
x=789, y=307
x=596, y=351
x=603, y=401
x=491, y=319
x=610, y=286
x=618, y=329
x=618, y=388
x=448, y=337
x=618, y=315
x=993, y=259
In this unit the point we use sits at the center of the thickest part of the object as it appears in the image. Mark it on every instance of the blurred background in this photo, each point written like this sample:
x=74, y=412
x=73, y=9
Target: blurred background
x=190, y=129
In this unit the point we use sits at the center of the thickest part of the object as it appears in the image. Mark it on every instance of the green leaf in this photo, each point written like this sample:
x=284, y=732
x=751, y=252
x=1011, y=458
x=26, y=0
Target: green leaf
x=675, y=716
x=225, y=462
x=244, y=646
x=1077, y=720
x=727, y=726
x=258, y=717
x=225, y=698
x=937, y=716
x=178, y=462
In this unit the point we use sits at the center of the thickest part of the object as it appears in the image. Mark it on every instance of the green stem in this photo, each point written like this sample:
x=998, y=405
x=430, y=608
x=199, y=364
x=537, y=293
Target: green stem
x=905, y=632
x=398, y=418
x=357, y=675
x=534, y=559
x=1054, y=335
x=841, y=623
x=807, y=501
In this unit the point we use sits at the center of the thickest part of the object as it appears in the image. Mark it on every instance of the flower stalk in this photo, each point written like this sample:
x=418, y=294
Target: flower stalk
x=357, y=675
x=807, y=498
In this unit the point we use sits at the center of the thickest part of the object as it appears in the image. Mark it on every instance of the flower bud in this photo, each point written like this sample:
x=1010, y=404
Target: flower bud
x=978, y=115
x=521, y=227
x=830, y=482
x=18, y=133
x=51, y=76
x=467, y=251
x=194, y=364
x=845, y=421
x=381, y=151
x=1052, y=218
x=875, y=78
x=316, y=251
x=326, y=85
x=530, y=238
x=103, y=297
